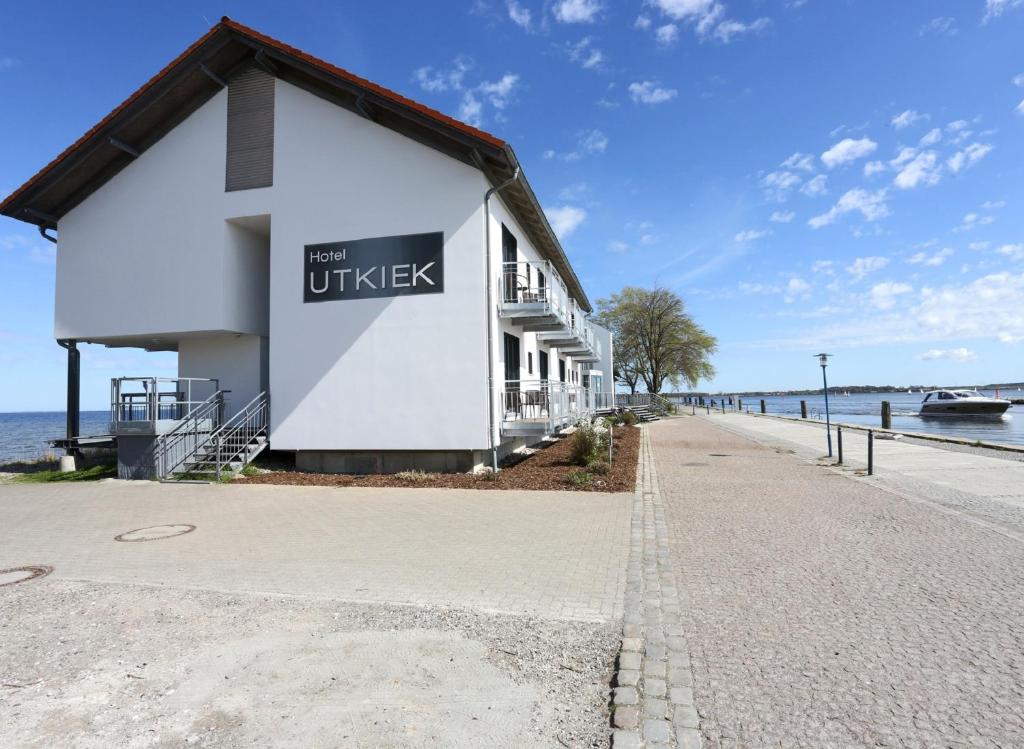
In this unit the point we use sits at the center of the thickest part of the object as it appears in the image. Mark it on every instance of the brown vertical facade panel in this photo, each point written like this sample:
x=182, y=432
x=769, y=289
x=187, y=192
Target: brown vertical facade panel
x=250, y=151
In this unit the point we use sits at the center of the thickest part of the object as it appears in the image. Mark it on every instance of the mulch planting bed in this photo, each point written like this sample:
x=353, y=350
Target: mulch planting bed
x=546, y=469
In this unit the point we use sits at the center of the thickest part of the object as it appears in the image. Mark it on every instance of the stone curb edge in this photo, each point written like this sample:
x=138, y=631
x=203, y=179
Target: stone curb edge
x=652, y=700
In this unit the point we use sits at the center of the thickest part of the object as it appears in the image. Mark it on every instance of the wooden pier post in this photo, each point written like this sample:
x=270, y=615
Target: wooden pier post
x=803, y=409
x=886, y=415
x=763, y=409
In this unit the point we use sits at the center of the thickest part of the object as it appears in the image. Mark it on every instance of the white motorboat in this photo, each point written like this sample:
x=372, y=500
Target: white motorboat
x=962, y=403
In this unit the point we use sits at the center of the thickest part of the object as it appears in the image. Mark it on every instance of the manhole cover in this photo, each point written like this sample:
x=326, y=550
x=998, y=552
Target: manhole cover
x=156, y=532
x=21, y=574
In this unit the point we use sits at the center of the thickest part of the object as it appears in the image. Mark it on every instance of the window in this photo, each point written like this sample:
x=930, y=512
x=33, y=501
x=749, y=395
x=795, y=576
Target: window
x=529, y=362
x=543, y=362
x=561, y=370
x=509, y=264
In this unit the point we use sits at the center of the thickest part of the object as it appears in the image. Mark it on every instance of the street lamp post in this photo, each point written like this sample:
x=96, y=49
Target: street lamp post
x=823, y=361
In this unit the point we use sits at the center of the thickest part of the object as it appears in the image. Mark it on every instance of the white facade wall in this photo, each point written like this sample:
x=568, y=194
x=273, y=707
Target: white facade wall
x=159, y=252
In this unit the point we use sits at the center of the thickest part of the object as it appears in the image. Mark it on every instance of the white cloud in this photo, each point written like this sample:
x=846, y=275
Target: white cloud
x=884, y=295
x=758, y=288
x=565, y=219
x=585, y=54
x=823, y=266
x=587, y=142
x=871, y=206
x=450, y=79
x=708, y=18
x=777, y=185
x=1012, y=251
x=667, y=34
x=906, y=119
x=750, y=235
x=932, y=137
x=649, y=92
x=940, y=26
x=904, y=155
x=847, y=150
x=932, y=260
x=577, y=11
x=862, y=266
x=1018, y=80
x=952, y=354
x=968, y=157
x=802, y=161
x=921, y=170
x=993, y=205
x=815, y=187
x=978, y=246
x=618, y=246
x=782, y=217
x=520, y=15
x=1019, y=109
x=642, y=22
x=973, y=220
x=995, y=8
x=874, y=167
x=797, y=286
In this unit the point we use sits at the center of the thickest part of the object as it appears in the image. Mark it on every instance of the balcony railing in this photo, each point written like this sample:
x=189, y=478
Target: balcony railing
x=543, y=406
x=139, y=402
x=535, y=291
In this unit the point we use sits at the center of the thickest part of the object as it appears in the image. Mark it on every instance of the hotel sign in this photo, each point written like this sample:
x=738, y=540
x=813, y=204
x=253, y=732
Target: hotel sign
x=371, y=268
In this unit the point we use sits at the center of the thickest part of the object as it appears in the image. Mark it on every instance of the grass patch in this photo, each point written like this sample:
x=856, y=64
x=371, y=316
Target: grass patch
x=93, y=473
x=413, y=477
x=579, y=478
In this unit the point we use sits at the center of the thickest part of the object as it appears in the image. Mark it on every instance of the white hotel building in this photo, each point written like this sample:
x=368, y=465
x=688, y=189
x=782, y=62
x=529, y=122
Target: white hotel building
x=343, y=273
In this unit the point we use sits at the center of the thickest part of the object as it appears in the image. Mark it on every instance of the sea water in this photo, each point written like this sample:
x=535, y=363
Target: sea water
x=23, y=436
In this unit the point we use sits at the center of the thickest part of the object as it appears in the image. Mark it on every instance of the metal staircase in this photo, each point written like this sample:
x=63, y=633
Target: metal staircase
x=207, y=444
x=645, y=406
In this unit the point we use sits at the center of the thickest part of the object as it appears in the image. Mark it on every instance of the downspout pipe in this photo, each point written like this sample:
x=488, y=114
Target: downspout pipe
x=491, y=419
x=74, y=390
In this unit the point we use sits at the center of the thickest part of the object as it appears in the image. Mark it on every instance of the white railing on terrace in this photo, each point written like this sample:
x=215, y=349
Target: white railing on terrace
x=544, y=401
x=134, y=399
x=534, y=284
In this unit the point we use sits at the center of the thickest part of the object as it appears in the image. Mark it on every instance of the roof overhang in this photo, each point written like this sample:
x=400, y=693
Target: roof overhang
x=201, y=71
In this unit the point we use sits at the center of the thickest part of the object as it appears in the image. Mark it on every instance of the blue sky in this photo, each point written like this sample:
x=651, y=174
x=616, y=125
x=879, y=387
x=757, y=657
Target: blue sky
x=843, y=175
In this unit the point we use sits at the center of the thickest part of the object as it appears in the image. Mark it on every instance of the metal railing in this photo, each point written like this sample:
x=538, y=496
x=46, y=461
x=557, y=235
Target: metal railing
x=536, y=285
x=174, y=448
x=547, y=401
x=652, y=400
x=236, y=439
x=135, y=399
x=604, y=401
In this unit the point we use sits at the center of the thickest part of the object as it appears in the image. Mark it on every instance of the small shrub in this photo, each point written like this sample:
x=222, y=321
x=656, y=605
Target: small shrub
x=611, y=421
x=587, y=444
x=628, y=418
x=250, y=470
x=413, y=477
x=579, y=478
x=597, y=467
x=487, y=474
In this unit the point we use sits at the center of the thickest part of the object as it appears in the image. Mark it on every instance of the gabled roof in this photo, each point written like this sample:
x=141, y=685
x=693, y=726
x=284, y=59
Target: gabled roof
x=199, y=72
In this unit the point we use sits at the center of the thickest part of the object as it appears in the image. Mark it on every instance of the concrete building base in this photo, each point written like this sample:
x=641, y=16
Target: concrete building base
x=393, y=461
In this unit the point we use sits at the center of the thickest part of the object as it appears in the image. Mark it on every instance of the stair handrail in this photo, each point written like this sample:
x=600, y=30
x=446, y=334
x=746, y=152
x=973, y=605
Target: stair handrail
x=211, y=410
x=662, y=404
x=248, y=423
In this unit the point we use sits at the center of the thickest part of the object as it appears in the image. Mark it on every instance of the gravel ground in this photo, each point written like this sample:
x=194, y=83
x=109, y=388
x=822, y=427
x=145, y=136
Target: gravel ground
x=104, y=665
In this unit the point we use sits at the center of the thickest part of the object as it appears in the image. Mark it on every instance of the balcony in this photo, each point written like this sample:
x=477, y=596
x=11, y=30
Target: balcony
x=153, y=405
x=533, y=296
x=539, y=407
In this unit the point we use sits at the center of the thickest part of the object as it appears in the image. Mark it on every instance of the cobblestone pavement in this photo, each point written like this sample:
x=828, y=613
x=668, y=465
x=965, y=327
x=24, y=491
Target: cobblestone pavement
x=823, y=611
x=554, y=554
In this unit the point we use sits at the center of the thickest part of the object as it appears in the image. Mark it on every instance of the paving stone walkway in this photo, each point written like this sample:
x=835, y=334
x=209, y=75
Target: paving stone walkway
x=823, y=611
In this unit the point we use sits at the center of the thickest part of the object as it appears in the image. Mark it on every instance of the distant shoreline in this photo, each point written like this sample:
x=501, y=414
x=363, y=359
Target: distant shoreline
x=861, y=389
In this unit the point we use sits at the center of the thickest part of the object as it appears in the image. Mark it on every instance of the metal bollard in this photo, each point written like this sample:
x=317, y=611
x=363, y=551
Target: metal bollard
x=708, y=407
x=739, y=404
x=803, y=409
x=839, y=439
x=886, y=415
x=871, y=452
x=763, y=409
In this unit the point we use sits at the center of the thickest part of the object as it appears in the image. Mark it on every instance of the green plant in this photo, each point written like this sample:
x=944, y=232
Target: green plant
x=628, y=418
x=488, y=474
x=611, y=421
x=598, y=467
x=93, y=473
x=587, y=444
x=416, y=477
x=250, y=470
x=579, y=478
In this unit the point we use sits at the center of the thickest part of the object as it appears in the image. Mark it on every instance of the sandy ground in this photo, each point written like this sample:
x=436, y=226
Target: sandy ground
x=299, y=616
